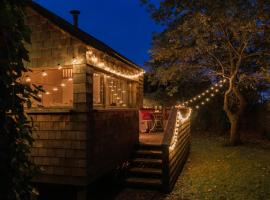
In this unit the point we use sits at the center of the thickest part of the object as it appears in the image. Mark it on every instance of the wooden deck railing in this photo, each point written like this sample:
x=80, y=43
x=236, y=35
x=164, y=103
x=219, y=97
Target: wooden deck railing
x=175, y=148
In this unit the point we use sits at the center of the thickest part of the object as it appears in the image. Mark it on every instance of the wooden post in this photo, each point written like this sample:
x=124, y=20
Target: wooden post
x=165, y=168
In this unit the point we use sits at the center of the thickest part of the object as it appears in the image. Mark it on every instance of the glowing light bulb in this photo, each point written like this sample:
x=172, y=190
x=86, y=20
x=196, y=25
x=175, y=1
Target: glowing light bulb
x=59, y=67
x=197, y=107
x=44, y=73
x=28, y=79
x=101, y=64
x=55, y=89
x=74, y=60
x=94, y=59
x=212, y=88
x=47, y=93
x=216, y=90
x=212, y=95
x=207, y=99
x=70, y=79
x=40, y=95
x=216, y=84
x=202, y=103
x=199, y=96
x=203, y=94
x=207, y=91
x=224, y=81
x=89, y=52
x=220, y=85
x=63, y=85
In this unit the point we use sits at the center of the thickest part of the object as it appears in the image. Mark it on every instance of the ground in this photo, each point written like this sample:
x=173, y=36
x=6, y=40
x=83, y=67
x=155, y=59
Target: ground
x=218, y=172
x=213, y=171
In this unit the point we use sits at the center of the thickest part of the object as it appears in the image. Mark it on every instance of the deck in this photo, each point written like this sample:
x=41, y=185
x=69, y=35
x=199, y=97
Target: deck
x=160, y=156
x=151, y=138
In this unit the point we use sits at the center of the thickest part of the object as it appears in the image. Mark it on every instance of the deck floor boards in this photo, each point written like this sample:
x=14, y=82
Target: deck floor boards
x=151, y=138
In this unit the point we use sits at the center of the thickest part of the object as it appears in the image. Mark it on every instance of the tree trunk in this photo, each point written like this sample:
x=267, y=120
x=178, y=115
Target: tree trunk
x=233, y=116
x=235, y=138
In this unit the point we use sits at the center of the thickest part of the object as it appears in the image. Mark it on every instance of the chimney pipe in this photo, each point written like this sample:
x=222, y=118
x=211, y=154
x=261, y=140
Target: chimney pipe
x=75, y=14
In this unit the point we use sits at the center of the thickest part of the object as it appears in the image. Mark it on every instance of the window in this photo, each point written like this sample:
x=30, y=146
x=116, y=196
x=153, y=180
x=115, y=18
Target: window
x=109, y=91
x=98, y=92
x=58, y=86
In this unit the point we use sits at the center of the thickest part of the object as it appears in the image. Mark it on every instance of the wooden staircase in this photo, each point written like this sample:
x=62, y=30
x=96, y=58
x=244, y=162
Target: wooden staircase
x=146, y=167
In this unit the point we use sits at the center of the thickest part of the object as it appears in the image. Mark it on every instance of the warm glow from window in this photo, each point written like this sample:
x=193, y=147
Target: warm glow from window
x=113, y=92
x=57, y=83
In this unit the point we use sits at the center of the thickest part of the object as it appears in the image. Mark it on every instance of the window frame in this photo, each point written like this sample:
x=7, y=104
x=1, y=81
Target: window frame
x=132, y=93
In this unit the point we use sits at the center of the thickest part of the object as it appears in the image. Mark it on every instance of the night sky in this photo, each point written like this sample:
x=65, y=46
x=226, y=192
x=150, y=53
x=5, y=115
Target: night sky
x=124, y=25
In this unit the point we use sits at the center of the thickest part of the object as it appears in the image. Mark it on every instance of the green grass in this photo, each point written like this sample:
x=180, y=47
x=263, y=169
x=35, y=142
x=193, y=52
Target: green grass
x=214, y=171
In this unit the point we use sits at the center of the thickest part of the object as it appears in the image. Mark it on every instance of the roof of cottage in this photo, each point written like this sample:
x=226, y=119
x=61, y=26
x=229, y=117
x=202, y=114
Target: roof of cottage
x=80, y=34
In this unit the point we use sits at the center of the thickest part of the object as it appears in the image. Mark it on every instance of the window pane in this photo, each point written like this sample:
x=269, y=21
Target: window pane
x=117, y=92
x=109, y=91
x=58, y=86
x=97, y=88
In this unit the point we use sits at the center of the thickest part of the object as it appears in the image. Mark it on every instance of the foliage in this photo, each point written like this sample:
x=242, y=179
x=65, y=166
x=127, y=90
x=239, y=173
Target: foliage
x=220, y=39
x=16, y=168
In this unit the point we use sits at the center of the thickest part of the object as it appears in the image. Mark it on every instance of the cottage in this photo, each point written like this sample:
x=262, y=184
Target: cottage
x=90, y=116
x=87, y=121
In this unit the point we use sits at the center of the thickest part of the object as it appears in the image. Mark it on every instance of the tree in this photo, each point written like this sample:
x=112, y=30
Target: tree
x=224, y=39
x=16, y=168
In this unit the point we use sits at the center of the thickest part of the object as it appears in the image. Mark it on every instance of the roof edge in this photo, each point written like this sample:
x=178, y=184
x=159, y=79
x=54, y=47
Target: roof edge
x=80, y=34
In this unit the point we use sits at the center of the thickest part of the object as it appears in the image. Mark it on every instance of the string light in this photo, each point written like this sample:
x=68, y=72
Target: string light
x=44, y=73
x=74, y=60
x=28, y=79
x=55, y=89
x=205, y=96
x=95, y=61
x=180, y=119
x=59, y=67
x=63, y=85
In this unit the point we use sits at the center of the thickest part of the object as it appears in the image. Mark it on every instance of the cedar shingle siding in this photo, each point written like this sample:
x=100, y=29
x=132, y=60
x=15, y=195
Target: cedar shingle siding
x=75, y=145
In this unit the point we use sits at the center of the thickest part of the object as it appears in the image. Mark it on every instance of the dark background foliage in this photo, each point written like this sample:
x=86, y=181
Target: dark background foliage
x=16, y=168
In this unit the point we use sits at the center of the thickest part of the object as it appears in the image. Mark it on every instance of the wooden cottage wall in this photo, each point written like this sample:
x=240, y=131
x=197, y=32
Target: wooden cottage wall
x=60, y=135
x=76, y=146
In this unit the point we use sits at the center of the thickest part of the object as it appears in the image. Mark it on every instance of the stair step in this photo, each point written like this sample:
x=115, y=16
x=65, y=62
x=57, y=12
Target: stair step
x=149, y=147
x=143, y=181
x=146, y=170
x=147, y=160
x=148, y=153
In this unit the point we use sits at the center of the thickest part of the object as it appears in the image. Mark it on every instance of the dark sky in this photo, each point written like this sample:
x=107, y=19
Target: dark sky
x=122, y=24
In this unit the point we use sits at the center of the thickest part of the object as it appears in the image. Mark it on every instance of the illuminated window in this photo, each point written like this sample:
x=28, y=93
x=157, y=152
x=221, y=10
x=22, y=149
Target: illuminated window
x=113, y=92
x=98, y=92
x=58, y=86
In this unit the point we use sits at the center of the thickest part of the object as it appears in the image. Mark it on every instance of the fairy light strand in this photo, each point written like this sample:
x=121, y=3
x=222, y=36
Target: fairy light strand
x=180, y=119
x=205, y=96
x=100, y=64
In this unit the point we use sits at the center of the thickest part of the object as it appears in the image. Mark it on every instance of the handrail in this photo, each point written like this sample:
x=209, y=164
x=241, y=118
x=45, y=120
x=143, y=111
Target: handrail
x=175, y=145
x=172, y=122
x=168, y=132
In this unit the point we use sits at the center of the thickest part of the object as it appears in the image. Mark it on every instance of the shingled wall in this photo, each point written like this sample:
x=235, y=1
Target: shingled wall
x=60, y=135
x=75, y=145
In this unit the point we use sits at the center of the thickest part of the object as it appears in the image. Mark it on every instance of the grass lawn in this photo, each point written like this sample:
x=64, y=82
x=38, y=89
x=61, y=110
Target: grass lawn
x=217, y=172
